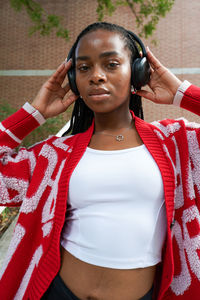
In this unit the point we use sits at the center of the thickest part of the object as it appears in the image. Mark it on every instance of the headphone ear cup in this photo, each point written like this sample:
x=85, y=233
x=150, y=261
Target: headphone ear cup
x=72, y=80
x=72, y=73
x=141, y=72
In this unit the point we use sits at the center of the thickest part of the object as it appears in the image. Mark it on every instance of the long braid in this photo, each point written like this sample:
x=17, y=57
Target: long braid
x=136, y=106
x=82, y=115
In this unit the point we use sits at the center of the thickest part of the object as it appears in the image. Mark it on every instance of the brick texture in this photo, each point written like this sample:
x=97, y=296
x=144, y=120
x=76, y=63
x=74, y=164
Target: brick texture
x=177, y=35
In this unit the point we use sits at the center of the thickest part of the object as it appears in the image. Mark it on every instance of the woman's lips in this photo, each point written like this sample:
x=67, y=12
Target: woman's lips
x=99, y=94
x=99, y=97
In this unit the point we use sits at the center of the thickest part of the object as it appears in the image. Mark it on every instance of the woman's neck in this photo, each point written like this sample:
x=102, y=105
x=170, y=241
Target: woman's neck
x=112, y=121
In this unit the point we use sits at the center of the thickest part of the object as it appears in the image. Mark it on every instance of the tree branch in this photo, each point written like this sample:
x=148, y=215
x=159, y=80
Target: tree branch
x=130, y=4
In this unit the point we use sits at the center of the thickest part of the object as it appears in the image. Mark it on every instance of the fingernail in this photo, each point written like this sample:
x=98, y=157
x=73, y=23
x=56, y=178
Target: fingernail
x=148, y=48
x=66, y=61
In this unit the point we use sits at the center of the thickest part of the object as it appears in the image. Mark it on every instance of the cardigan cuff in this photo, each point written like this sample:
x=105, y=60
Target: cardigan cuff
x=34, y=112
x=180, y=92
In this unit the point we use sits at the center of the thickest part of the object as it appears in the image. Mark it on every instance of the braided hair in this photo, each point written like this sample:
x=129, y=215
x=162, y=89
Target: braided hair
x=82, y=115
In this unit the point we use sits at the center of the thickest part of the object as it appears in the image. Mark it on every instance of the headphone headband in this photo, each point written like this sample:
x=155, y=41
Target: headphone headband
x=138, y=40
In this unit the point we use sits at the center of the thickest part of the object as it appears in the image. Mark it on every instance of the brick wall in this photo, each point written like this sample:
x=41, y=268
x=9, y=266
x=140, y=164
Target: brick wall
x=177, y=35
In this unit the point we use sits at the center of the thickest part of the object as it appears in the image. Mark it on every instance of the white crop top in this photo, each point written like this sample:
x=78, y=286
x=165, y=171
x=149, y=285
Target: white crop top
x=116, y=213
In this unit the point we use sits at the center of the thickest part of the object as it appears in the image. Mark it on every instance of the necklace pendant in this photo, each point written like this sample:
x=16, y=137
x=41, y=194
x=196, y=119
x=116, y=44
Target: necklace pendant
x=119, y=137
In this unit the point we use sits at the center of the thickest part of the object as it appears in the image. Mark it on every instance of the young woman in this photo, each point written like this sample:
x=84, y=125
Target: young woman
x=112, y=210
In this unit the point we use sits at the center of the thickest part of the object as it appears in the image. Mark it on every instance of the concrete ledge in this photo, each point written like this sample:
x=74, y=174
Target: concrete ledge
x=5, y=240
x=176, y=71
x=2, y=209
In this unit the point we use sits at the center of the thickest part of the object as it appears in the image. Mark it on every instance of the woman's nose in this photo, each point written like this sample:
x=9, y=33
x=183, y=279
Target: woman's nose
x=97, y=76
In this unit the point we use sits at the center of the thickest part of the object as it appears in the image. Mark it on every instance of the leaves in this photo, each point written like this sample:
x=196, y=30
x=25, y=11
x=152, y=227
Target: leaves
x=6, y=217
x=43, y=22
x=146, y=13
x=63, y=33
x=105, y=7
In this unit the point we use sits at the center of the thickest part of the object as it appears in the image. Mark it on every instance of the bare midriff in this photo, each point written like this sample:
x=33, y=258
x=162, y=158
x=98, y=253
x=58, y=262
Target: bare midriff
x=91, y=282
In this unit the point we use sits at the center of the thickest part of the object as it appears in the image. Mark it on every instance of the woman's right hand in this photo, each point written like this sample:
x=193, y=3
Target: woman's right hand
x=51, y=99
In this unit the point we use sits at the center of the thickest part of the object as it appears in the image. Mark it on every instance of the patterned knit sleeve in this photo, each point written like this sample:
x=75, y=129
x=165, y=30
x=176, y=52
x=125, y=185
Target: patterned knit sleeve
x=188, y=97
x=16, y=168
x=180, y=141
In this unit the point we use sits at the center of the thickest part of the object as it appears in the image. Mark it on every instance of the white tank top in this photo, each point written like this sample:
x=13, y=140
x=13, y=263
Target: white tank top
x=116, y=213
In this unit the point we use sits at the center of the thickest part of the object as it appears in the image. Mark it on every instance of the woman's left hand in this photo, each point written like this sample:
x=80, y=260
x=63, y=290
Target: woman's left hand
x=163, y=83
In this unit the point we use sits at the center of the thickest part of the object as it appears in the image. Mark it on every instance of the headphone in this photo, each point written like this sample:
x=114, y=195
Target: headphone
x=140, y=68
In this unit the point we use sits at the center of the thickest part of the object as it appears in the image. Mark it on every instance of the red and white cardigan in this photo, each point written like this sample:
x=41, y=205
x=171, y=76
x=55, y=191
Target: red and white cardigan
x=37, y=180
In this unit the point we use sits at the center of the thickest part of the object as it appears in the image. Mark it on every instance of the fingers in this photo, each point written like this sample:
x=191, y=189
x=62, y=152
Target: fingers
x=146, y=94
x=64, y=90
x=71, y=95
x=155, y=63
x=61, y=72
x=69, y=100
x=66, y=87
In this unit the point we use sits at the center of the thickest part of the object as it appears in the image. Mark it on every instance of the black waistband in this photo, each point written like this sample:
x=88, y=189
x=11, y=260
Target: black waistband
x=148, y=295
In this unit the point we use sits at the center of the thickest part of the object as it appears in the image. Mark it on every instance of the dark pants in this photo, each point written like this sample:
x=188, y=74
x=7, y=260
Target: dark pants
x=59, y=291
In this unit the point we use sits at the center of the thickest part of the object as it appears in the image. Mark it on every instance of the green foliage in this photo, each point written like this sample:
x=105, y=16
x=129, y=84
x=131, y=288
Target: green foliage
x=105, y=7
x=63, y=33
x=50, y=127
x=5, y=213
x=146, y=13
x=43, y=22
x=5, y=110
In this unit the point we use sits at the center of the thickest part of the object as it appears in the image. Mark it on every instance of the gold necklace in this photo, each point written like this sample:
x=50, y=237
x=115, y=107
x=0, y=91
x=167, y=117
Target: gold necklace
x=118, y=137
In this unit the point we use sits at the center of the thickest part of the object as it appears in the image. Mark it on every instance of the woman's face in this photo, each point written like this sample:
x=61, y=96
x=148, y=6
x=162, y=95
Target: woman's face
x=103, y=71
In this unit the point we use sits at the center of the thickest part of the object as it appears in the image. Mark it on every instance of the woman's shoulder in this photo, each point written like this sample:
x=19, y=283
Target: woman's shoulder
x=174, y=122
x=170, y=126
x=55, y=142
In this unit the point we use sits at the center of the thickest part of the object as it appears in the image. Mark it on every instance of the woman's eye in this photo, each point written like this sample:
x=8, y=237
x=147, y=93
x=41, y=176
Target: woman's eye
x=83, y=68
x=113, y=65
